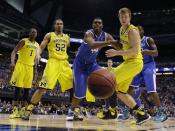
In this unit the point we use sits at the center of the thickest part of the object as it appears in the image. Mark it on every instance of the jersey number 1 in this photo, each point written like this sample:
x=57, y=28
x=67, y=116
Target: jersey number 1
x=31, y=52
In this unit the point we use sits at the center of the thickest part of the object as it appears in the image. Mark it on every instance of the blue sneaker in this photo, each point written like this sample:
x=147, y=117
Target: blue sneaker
x=160, y=117
x=126, y=114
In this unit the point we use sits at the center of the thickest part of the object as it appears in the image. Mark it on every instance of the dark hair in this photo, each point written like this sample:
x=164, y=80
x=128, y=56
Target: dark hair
x=98, y=18
x=59, y=19
x=30, y=30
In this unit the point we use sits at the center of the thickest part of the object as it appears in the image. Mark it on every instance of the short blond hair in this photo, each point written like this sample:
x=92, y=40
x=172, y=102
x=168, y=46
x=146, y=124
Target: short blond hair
x=124, y=11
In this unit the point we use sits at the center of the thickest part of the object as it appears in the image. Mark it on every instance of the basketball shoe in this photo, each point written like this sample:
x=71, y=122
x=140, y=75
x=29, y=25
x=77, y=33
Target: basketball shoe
x=74, y=115
x=15, y=113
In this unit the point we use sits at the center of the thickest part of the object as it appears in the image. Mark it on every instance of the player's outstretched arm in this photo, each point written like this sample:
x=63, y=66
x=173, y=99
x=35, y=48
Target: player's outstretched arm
x=88, y=38
x=134, y=40
x=153, y=51
x=115, y=43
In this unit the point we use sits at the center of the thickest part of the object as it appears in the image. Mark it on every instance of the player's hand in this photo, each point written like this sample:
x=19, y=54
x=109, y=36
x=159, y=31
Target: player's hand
x=108, y=42
x=145, y=51
x=111, y=53
x=35, y=83
x=114, y=42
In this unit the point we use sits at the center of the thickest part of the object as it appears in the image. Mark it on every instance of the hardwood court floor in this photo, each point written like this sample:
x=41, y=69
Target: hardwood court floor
x=59, y=123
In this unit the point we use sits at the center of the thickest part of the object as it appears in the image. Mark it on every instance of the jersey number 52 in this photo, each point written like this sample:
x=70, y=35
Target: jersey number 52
x=60, y=47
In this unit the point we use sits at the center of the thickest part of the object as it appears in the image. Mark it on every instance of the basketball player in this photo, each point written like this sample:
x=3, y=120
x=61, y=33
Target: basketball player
x=22, y=76
x=85, y=63
x=57, y=67
x=148, y=73
x=110, y=111
x=132, y=65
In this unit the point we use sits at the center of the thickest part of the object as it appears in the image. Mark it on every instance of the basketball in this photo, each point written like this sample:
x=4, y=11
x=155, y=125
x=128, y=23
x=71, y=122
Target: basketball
x=102, y=83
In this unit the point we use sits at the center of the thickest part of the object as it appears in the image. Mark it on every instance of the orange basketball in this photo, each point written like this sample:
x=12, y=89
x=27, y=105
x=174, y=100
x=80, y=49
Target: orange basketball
x=102, y=83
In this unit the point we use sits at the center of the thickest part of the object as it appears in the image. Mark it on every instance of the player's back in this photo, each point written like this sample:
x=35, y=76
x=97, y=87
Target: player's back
x=145, y=45
x=85, y=53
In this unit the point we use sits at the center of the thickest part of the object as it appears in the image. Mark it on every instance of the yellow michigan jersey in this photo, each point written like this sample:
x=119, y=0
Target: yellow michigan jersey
x=125, y=43
x=23, y=72
x=57, y=68
x=57, y=46
x=28, y=52
x=131, y=66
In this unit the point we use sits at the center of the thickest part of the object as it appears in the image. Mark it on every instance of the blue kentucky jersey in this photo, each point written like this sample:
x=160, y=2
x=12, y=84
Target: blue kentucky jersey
x=87, y=55
x=145, y=45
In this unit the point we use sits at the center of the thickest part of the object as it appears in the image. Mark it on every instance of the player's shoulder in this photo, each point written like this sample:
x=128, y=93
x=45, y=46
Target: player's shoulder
x=37, y=44
x=133, y=29
x=147, y=37
x=50, y=33
x=24, y=39
x=107, y=34
x=132, y=26
x=90, y=31
x=66, y=35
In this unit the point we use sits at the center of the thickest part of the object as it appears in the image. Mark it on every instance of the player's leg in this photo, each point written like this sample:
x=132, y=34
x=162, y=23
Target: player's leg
x=150, y=82
x=124, y=75
x=27, y=86
x=80, y=80
x=24, y=102
x=48, y=81
x=136, y=95
x=17, y=82
x=66, y=77
x=15, y=103
x=89, y=97
x=134, y=88
x=66, y=81
x=134, y=91
x=112, y=104
x=110, y=111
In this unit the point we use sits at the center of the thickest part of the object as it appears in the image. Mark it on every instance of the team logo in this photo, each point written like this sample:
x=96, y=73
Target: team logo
x=13, y=83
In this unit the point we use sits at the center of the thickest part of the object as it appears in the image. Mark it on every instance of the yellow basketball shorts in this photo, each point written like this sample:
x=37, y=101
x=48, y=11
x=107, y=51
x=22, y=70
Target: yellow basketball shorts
x=57, y=70
x=125, y=73
x=22, y=76
x=89, y=96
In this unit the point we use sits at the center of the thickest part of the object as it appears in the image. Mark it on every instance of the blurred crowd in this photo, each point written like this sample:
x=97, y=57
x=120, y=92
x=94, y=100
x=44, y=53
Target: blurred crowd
x=165, y=87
